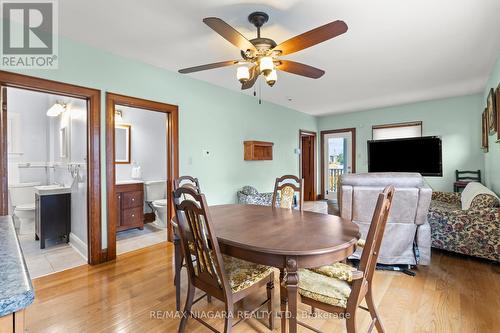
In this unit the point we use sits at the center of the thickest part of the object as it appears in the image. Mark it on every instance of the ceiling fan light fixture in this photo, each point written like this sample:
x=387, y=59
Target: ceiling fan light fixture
x=266, y=65
x=242, y=74
x=271, y=78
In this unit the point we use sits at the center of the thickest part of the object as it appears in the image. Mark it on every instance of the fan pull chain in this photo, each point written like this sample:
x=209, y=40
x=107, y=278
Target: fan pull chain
x=260, y=92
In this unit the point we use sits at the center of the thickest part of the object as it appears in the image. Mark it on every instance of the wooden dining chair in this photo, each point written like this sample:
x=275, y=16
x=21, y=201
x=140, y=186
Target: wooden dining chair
x=285, y=187
x=193, y=183
x=224, y=277
x=340, y=288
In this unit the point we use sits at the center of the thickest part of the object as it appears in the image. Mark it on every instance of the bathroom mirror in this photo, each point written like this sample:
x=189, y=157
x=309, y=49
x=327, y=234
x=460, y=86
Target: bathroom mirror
x=122, y=144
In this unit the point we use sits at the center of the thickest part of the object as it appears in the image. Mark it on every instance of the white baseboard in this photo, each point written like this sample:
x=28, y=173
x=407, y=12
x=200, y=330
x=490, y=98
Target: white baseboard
x=76, y=243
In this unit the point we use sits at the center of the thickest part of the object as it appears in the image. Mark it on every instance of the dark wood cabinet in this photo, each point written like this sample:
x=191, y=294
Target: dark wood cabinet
x=257, y=151
x=52, y=217
x=130, y=206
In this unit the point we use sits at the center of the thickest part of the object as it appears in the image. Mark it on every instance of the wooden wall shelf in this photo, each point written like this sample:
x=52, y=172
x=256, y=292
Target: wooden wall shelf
x=258, y=150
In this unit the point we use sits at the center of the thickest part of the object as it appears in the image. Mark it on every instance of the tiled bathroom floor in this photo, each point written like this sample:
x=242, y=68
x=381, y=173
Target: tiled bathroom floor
x=133, y=239
x=52, y=259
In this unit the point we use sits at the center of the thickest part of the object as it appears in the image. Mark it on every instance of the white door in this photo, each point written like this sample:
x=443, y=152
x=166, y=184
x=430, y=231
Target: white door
x=337, y=160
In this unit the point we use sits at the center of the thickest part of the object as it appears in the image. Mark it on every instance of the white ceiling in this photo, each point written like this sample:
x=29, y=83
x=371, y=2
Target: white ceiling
x=394, y=52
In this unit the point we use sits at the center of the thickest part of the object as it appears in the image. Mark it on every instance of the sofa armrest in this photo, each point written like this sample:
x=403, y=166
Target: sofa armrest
x=484, y=201
x=448, y=197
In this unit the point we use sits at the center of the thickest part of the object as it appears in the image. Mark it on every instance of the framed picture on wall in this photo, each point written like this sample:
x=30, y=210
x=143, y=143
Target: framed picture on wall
x=484, y=132
x=492, y=113
x=497, y=107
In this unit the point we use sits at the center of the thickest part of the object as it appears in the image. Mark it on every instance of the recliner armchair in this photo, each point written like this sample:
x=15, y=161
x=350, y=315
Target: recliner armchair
x=407, y=223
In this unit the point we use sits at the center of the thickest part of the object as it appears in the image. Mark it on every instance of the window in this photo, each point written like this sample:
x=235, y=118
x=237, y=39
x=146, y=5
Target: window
x=397, y=131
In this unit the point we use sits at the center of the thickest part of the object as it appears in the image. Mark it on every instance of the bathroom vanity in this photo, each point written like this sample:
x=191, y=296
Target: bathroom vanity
x=130, y=205
x=52, y=213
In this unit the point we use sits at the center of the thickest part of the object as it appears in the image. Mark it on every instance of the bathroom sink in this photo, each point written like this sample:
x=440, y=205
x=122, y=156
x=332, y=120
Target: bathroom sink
x=52, y=189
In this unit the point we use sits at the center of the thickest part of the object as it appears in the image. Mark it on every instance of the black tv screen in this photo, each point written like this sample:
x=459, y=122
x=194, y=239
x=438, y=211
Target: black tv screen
x=422, y=155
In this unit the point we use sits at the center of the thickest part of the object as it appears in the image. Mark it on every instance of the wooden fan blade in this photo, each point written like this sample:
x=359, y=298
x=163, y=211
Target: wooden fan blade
x=229, y=33
x=300, y=69
x=312, y=37
x=207, y=66
x=254, y=74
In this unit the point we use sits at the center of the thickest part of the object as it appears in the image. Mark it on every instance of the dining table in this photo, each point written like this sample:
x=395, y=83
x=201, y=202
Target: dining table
x=286, y=239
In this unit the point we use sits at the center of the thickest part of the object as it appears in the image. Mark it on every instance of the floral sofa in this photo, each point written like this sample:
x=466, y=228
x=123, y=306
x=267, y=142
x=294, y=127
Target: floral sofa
x=250, y=196
x=472, y=231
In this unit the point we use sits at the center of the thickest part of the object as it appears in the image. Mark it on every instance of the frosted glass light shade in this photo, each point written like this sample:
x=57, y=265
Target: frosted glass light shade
x=266, y=65
x=55, y=110
x=271, y=78
x=242, y=74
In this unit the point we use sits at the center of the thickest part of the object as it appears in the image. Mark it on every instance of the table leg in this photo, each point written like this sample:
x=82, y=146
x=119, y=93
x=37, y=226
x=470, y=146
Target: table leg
x=292, y=282
x=282, y=301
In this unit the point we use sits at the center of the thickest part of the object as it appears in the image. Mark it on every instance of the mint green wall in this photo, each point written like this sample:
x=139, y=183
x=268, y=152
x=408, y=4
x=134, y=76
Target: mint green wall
x=492, y=157
x=211, y=118
x=456, y=120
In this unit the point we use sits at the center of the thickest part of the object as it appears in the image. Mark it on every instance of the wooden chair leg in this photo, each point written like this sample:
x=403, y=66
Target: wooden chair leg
x=209, y=299
x=351, y=322
x=178, y=260
x=228, y=321
x=187, y=308
x=373, y=310
x=313, y=310
x=270, y=303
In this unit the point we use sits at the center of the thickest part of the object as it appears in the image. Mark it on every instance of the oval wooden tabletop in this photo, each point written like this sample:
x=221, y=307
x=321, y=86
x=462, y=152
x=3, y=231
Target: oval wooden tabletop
x=282, y=231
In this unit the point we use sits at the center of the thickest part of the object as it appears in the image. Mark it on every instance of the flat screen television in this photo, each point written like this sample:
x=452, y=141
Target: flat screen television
x=422, y=155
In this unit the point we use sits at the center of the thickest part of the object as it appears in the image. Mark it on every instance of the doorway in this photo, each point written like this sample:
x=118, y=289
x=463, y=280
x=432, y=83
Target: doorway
x=86, y=183
x=127, y=195
x=307, y=166
x=338, y=156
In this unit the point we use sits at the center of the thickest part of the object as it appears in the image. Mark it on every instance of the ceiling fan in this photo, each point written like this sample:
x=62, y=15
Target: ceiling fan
x=261, y=55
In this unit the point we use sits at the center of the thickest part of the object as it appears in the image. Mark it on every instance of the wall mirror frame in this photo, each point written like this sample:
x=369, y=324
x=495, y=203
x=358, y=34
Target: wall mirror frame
x=122, y=144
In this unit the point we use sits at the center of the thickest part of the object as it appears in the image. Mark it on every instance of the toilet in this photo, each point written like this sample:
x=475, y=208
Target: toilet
x=22, y=201
x=155, y=196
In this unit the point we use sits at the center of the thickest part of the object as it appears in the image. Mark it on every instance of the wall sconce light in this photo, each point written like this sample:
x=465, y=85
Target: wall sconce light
x=56, y=109
x=118, y=115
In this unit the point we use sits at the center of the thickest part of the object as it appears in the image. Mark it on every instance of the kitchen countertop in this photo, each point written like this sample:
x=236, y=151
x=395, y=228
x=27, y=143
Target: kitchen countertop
x=16, y=290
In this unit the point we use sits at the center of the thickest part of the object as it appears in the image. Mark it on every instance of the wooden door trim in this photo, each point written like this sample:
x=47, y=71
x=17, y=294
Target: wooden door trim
x=93, y=97
x=172, y=112
x=303, y=133
x=322, y=158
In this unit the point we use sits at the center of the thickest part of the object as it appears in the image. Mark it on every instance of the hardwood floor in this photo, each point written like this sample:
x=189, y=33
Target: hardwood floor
x=454, y=294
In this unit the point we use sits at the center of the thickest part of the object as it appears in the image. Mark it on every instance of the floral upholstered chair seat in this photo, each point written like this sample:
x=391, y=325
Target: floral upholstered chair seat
x=474, y=231
x=337, y=270
x=322, y=288
x=328, y=284
x=242, y=274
